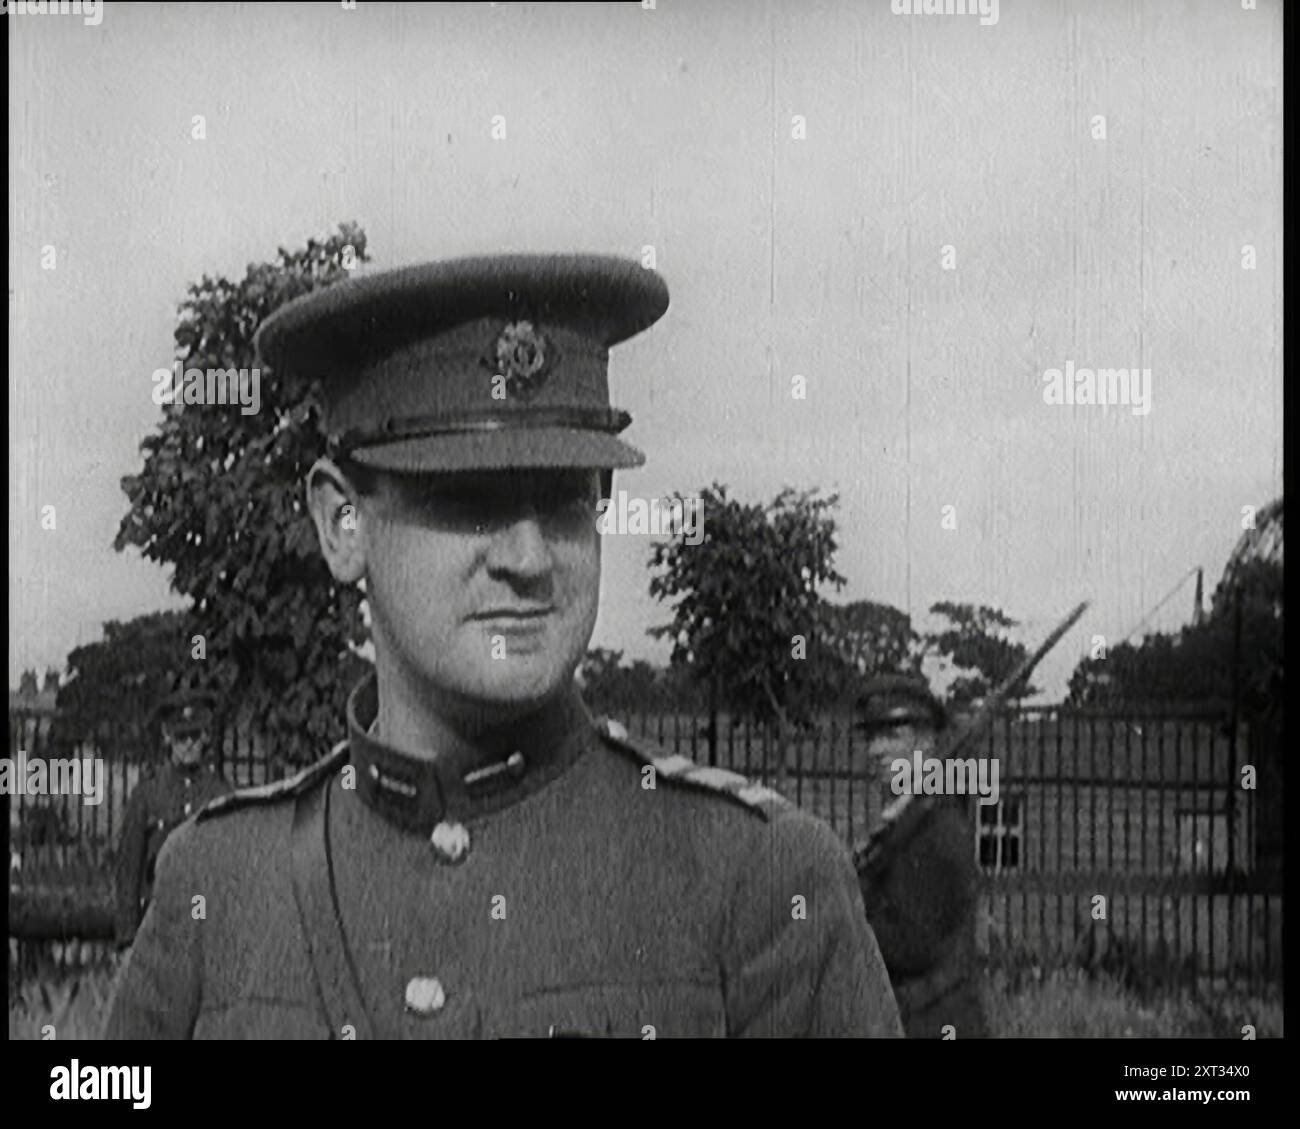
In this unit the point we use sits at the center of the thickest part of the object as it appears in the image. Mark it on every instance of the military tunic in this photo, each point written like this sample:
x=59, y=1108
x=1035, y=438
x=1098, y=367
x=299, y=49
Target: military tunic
x=159, y=804
x=922, y=908
x=586, y=885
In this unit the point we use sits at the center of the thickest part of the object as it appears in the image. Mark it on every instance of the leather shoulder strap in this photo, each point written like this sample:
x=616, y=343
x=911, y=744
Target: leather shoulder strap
x=332, y=963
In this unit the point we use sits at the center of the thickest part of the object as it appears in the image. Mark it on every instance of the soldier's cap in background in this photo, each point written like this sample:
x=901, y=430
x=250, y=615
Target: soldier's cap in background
x=187, y=710
x=471, y=364
x=891, y=700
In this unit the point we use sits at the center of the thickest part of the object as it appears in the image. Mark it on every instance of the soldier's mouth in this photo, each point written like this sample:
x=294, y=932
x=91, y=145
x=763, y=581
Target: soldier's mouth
x=514, y=615
x=516, y=626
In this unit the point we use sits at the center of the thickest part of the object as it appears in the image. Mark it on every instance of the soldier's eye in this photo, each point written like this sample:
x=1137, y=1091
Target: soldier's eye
x=487, y=503
x=465, y=510
x=567, y=497
x=459, y=508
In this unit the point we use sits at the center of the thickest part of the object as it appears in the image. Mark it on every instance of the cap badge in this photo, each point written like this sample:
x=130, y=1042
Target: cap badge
x=524, y=356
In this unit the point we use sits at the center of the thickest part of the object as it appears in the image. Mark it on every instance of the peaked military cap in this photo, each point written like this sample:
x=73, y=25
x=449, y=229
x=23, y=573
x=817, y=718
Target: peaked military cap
x=899, y=699
x=187, y=707
x=471, y=364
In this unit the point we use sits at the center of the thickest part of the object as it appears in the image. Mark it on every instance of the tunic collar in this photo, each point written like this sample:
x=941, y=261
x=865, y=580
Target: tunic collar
x=417, y=793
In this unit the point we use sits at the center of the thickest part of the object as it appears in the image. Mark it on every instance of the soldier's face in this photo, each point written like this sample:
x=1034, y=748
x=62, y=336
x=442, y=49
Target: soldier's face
x=883, y=749
x=484, y=585
x=186, y=746
x=900, y=741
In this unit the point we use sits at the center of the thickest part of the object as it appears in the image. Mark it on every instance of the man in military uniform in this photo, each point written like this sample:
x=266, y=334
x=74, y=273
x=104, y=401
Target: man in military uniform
x=480, y=857
x=922, y=905
x=162, y=801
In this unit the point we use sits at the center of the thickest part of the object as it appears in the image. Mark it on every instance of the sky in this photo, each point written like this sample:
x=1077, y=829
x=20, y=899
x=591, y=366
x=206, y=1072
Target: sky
x=920, y=215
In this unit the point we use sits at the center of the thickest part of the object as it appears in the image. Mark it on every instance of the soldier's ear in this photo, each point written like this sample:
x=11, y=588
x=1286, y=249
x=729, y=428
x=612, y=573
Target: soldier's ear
x=334, y=503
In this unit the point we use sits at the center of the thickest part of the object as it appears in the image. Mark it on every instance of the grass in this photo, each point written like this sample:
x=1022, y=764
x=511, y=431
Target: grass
x=71, y=1008
x=1070, y=1004
x=1064, y=1004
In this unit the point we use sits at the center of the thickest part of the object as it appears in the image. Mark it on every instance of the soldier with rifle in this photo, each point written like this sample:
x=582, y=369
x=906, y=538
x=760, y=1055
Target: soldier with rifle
x=922, y=902
x=917, y=868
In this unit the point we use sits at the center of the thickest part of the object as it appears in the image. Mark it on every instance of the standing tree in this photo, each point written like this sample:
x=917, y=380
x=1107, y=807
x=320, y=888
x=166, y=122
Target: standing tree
x=1196, y=663
x=748, y=613
x=872, y=639
x=598, y=673
x=976, y=641
x=220, y=500
x=608, y=684
x=115, y=684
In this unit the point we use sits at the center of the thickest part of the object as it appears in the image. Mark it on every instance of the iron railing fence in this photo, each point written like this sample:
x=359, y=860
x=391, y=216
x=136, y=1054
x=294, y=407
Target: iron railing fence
x=1124, y=842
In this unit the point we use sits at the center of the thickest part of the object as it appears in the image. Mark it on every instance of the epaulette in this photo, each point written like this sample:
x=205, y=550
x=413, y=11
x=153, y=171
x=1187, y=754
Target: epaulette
x=289, y=787
x=682, y=770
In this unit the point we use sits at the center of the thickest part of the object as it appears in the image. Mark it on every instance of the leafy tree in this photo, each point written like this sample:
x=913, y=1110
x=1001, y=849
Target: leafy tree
x=1196, y=663
x=219, y=499
x=977, y=643
x=608, y=684
x=598, y=669
x=1260, y=586
x=643, y=686
x=747, y=611
x=872, y=639
x=115, y=684
x=681, y=688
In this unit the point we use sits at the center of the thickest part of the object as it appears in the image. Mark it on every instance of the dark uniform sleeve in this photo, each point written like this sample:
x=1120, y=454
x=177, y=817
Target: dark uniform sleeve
x=923, y=910
x=132, y=846
x=926, y=892
x=800, y=957
x=157, y=992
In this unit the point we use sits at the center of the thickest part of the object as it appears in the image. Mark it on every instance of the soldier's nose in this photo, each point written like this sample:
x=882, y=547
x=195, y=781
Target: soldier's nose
x=520, y=549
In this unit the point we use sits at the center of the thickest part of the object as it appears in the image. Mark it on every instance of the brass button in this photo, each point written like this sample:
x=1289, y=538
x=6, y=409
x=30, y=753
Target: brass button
x=425, y=995
x=450, y=841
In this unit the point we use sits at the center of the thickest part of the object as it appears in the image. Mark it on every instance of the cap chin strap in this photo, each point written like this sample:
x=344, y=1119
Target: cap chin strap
x=608, y=420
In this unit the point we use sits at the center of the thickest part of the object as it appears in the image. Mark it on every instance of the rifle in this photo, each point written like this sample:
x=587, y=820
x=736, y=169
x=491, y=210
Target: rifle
x=905, y=818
